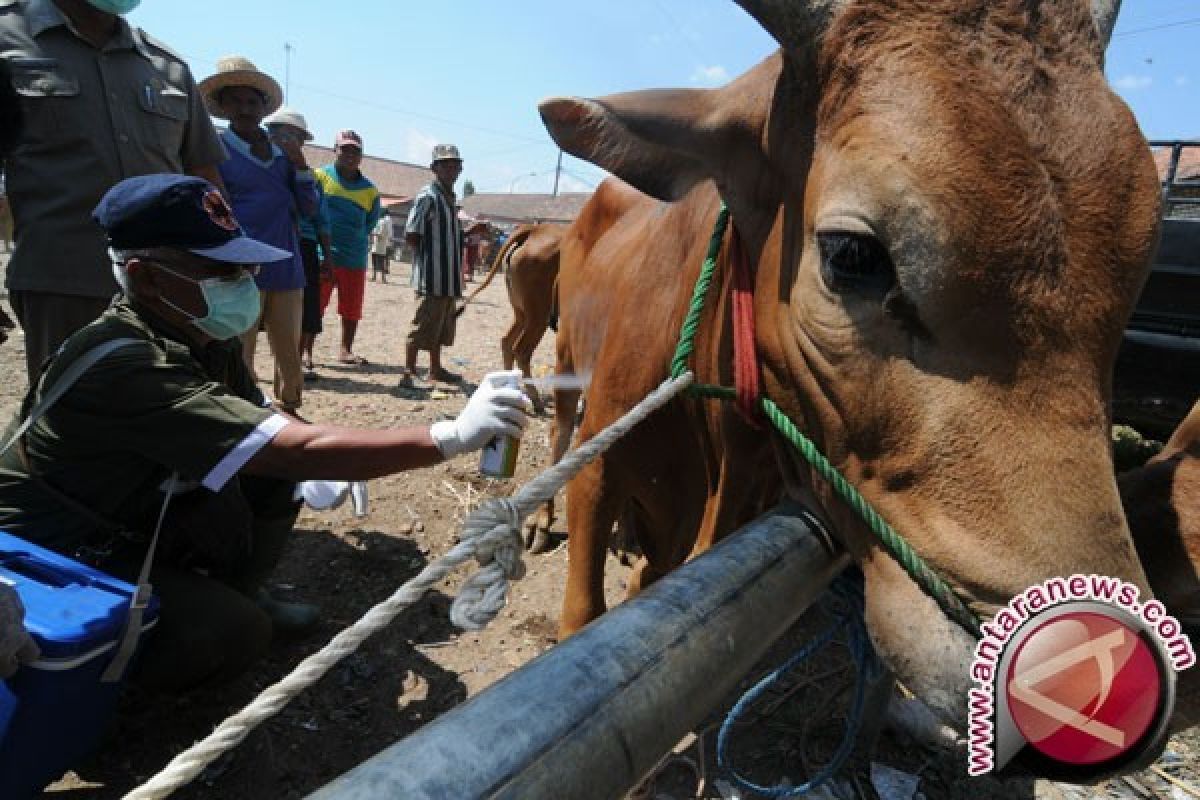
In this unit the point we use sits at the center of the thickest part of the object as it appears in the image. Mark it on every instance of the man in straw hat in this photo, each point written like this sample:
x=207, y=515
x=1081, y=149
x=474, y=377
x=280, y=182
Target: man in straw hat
x=269, y=184
x=316, y=250
x=435, y=235
x=167, y=437
x=124, y=104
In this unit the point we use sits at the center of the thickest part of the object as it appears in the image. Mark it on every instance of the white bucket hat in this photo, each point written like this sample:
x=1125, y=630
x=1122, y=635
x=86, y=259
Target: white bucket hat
x=239, y=71
x=286, y=116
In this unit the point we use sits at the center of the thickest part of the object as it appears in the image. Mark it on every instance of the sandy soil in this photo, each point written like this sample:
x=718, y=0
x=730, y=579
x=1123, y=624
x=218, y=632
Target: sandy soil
x=420, y=666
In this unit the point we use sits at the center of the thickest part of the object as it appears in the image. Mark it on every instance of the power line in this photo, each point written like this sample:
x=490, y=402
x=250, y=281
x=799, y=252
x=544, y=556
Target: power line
x=408, y=112
x=586, y=180
x=682, y=31
x=1179, y=24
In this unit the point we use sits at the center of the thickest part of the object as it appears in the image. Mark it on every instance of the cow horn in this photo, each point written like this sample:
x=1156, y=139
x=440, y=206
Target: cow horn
x=795, y=24
x=1104, y=14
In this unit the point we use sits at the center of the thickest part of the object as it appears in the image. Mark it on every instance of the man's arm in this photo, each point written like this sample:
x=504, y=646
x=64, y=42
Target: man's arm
x=299, y=451
x=326, y=253
x=211, y=174
x=201, y=150
x=416, y=221
x=305, y=452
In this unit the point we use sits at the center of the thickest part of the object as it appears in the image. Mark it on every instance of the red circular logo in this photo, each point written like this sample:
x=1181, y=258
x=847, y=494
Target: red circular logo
x=1083, y=688
x=219, y=211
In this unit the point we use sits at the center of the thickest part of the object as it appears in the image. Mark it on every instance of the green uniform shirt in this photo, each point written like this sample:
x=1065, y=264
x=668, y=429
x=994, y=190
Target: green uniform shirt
x=93, y=116
x=136, y=416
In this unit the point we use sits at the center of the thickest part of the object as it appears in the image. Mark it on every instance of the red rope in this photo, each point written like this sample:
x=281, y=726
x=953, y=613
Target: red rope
x=745, y=356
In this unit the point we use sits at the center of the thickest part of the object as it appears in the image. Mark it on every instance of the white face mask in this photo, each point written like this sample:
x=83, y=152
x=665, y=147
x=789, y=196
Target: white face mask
x=233, y=305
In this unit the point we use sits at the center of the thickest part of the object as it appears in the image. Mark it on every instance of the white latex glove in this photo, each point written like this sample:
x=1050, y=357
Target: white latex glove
x=493, y=410
x=322, y=495
x=16, y=645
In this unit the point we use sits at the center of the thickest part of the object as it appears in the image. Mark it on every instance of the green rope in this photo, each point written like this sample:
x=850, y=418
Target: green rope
x=687, y=334
x=895, y=545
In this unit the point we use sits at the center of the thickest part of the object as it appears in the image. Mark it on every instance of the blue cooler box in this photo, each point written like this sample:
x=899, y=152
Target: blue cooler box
x=76, y=615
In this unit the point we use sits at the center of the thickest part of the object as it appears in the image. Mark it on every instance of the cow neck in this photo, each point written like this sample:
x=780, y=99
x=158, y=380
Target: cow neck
x=892, y=542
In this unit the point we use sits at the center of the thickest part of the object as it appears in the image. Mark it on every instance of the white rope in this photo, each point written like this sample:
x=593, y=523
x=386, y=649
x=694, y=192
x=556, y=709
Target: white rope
x=491, y=535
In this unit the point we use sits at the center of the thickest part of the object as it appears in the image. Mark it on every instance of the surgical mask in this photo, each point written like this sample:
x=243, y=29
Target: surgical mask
x=114, y=6
x=233, y=305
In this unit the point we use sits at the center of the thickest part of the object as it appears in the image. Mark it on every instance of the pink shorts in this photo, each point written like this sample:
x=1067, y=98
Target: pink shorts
x=351, y=286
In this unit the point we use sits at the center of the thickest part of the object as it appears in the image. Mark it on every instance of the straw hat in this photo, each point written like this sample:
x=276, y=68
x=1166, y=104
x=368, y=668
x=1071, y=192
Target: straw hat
x=286, y=116
x=239, y=71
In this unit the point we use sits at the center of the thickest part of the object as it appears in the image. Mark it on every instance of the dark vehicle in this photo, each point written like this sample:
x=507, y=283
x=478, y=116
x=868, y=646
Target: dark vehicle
x=1157, y=375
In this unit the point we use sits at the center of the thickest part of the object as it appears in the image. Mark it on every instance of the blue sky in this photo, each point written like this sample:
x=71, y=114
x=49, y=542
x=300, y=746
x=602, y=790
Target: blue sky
x=406, y=75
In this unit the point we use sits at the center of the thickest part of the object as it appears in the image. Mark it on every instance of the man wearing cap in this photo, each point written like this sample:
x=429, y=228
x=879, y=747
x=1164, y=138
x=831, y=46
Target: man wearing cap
x=435, y=235
x=270, y=186
x=103, y=101
x=169, y=425
x=285, y=126
x=353, y=203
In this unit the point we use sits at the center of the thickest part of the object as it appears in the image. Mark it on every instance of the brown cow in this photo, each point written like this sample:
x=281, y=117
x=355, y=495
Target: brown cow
x=1162, y=505
x=949, y=215
x=530, y=262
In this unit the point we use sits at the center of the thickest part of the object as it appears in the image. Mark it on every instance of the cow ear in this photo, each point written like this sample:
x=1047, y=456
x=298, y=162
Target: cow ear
x=659, y=141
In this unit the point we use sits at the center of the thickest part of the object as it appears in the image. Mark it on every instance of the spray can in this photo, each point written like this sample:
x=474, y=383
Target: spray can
x=499, y=456
x=358, y=498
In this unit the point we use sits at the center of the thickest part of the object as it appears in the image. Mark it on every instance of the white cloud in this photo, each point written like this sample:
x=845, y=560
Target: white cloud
x=712, y=76
x=1133, y=83
x=1182, y=80
x=417, y=146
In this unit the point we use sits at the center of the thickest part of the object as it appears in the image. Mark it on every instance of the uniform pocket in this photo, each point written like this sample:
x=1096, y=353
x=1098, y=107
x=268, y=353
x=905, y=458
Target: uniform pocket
x=44, y=89
x=166, y=115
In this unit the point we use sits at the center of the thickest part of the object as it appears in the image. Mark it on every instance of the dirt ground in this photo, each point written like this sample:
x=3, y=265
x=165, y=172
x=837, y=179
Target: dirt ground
x=420, y=667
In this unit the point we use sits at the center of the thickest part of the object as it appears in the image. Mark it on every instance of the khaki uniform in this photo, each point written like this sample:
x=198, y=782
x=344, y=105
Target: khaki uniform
x=87, y=482
x=92, y=118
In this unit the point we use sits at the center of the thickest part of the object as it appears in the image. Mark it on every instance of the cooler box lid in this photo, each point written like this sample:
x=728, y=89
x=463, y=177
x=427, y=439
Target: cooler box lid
x=70, y=608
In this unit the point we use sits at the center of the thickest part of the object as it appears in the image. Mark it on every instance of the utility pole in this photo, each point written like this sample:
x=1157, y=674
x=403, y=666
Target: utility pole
x=557, y=172
x=287, y=69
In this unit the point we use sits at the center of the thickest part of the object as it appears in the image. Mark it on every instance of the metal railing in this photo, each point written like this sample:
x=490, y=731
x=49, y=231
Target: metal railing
x=1181, y=198
x=590, y=717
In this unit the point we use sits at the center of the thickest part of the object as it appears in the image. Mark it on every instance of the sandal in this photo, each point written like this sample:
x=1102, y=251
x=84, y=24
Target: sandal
x=356, y=361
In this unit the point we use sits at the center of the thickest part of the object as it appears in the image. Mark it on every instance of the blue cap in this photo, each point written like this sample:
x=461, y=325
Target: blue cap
x=178, y=211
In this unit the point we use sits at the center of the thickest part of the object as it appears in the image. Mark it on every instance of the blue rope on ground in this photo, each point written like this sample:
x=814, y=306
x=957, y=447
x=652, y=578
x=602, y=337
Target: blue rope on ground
x=846, y=602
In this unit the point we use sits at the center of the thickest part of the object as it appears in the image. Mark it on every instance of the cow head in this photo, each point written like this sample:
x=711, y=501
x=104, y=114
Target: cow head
x=951, y=216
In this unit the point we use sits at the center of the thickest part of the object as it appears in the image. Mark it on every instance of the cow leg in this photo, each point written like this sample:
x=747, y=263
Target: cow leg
x=592, y=507
x=524, y=362
x=531, y=335
x=537, y=531
x=507, y=342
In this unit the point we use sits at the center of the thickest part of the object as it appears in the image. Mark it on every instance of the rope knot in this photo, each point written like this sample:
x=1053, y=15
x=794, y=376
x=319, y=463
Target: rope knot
x=493, y=532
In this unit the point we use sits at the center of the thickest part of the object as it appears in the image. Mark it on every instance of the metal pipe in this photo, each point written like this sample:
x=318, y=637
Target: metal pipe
x=590, y=717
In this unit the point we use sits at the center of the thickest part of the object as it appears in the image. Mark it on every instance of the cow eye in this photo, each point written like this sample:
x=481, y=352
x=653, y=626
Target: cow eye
x=855, y=262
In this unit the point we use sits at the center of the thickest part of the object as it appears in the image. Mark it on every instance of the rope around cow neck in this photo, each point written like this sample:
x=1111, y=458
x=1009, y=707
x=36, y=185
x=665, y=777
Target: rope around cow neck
x=893, y=543
x=491, y=535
